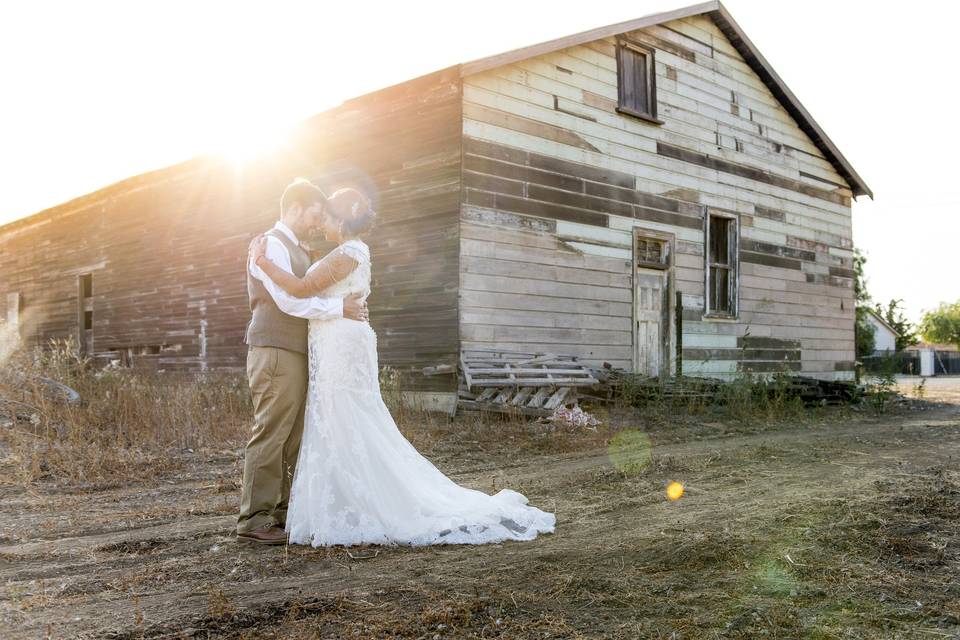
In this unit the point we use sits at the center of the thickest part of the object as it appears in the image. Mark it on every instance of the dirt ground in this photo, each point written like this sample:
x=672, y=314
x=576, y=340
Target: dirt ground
x=843, y=524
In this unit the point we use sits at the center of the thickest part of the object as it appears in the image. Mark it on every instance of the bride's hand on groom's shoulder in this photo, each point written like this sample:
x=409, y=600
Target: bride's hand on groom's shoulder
x=257, y=248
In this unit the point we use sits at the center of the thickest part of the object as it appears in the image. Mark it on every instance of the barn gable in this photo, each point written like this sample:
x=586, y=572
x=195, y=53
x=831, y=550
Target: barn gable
x=706, y=30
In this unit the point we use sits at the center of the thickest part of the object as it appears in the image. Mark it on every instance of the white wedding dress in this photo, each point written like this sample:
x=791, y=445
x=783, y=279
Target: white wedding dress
x=358, y=480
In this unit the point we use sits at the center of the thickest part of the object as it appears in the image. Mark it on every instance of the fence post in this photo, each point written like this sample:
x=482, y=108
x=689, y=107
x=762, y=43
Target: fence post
x=678, y=321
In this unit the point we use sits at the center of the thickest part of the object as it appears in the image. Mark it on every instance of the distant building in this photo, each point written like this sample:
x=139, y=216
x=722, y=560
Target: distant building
x=884, y=336
x=934, y=359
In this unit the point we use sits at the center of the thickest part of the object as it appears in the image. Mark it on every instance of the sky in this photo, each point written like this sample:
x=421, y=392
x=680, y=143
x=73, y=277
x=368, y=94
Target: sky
x=97, y=91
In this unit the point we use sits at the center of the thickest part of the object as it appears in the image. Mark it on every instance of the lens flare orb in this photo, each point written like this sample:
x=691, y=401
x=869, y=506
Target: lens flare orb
x=675, y=491
x=629, y=451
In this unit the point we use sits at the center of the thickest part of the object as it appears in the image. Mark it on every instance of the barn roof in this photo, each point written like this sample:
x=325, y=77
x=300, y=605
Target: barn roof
x=751, y=55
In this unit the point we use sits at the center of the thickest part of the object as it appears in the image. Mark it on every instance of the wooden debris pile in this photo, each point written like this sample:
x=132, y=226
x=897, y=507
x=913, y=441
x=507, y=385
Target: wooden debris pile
x=531, y=384
x=811, y=391
x=535, y=384
x=814, y=391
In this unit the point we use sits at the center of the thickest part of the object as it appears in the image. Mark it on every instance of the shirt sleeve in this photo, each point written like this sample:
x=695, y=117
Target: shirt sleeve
x=313, y=308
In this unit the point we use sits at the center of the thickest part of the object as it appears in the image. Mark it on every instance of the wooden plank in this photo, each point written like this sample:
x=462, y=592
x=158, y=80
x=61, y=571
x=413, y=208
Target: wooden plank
x=543, y=335
x=538, y=271
x=538, y=398
x=488, y=394
x=521, y=397
x=525, y=125
x=546, y=380
x=703, y=160
x=488, y=355
x=490, y=407
x=507, y=284
x=516, y=371
x=558, y=398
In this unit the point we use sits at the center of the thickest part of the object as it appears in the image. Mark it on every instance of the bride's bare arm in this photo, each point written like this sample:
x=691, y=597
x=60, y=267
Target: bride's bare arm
x=333, y=268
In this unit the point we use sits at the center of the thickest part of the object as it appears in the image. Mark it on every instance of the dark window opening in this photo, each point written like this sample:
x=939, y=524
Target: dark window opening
x=85, y=312
x=135, y=355
x=86, y=284
x=636, y=81
x=721, y=267
x=652, y=253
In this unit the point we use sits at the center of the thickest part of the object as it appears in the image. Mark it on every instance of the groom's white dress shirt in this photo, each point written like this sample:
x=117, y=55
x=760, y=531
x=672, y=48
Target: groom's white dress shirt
x=313, y=308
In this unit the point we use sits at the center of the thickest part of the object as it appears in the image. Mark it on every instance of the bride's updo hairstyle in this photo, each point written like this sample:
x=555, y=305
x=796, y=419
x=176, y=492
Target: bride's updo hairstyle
x=353, y=210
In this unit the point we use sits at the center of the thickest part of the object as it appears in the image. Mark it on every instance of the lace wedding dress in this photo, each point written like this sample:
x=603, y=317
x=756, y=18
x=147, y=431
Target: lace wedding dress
x=358, y=480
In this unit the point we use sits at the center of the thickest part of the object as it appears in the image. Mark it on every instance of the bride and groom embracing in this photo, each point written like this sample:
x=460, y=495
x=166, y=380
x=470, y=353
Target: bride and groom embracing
x=326, y=464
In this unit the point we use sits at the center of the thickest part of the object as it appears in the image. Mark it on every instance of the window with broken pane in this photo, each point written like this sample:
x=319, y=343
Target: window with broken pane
x=721, y=258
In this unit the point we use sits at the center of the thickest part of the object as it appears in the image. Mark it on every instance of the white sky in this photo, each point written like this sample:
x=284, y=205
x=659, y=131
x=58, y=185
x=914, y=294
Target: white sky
x=93, y=92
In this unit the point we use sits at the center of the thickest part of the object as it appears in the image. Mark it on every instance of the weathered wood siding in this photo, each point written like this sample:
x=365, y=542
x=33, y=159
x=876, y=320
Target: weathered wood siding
x=167, y=249
x=554, y=181
x=408, y=139
x=164, y=251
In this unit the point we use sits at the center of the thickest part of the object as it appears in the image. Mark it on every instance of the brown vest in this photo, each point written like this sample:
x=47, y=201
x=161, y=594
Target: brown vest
x=270, y=327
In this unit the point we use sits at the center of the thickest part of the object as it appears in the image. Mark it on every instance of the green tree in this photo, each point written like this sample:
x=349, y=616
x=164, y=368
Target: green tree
x=942, y=324
x=894, y=316
x=863, y=331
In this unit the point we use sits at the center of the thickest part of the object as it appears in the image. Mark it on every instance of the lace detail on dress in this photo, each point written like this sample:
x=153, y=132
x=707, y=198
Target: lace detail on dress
x=356, y=249
x=358, y=480
x=359, y=279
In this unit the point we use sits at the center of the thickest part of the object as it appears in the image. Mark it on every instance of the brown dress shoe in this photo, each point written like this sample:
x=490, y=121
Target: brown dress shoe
x=267, y=534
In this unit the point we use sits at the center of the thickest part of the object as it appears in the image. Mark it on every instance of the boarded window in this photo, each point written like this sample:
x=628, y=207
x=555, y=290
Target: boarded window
x=652, y=253
x=721, y=267
x=636, y=81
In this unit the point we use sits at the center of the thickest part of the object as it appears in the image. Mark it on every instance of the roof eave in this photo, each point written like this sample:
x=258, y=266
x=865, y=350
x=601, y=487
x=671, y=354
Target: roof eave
x=524, y=53
x=882, y=321
x=738, y=38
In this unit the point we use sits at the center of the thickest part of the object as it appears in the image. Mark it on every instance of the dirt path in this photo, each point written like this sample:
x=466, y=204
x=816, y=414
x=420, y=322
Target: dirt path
x=795, y=532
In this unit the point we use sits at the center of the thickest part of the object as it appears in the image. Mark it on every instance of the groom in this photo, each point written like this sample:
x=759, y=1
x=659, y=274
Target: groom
x=277, y=366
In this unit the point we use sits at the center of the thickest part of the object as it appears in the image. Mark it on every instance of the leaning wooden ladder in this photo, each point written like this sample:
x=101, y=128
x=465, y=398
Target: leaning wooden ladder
x=517, y=382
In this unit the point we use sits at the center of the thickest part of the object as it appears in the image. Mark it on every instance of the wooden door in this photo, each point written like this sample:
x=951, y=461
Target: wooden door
x=651, y=304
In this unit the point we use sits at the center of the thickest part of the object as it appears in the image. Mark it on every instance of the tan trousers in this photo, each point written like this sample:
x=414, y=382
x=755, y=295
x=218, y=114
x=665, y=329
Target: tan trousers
x=278, y=386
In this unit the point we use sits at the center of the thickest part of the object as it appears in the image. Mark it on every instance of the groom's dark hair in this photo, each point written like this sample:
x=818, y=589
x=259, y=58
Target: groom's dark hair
x=303, y=192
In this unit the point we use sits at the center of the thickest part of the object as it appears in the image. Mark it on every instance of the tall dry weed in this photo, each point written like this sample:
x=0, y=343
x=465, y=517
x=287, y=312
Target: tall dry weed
x=128, y=424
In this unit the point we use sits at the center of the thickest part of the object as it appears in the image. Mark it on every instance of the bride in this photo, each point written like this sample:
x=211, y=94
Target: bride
x=357, y=479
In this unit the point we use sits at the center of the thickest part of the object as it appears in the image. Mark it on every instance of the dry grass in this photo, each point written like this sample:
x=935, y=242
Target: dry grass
x=130, y=424
x=134, y=425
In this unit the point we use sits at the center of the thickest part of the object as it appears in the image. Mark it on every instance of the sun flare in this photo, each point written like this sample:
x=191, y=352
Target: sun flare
x=250, y=140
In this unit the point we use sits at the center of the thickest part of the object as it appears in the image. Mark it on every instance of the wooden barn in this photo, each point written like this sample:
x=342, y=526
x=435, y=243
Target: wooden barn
x=649, y=194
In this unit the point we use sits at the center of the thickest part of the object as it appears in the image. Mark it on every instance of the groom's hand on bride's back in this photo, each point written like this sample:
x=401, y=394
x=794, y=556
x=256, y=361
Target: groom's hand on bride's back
x=355, y=308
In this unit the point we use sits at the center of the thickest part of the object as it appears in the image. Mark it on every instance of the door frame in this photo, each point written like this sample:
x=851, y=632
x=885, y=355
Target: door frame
x=667, y=337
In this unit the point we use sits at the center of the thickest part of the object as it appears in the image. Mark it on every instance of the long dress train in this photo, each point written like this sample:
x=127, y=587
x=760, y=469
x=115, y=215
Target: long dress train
x=358, y=480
